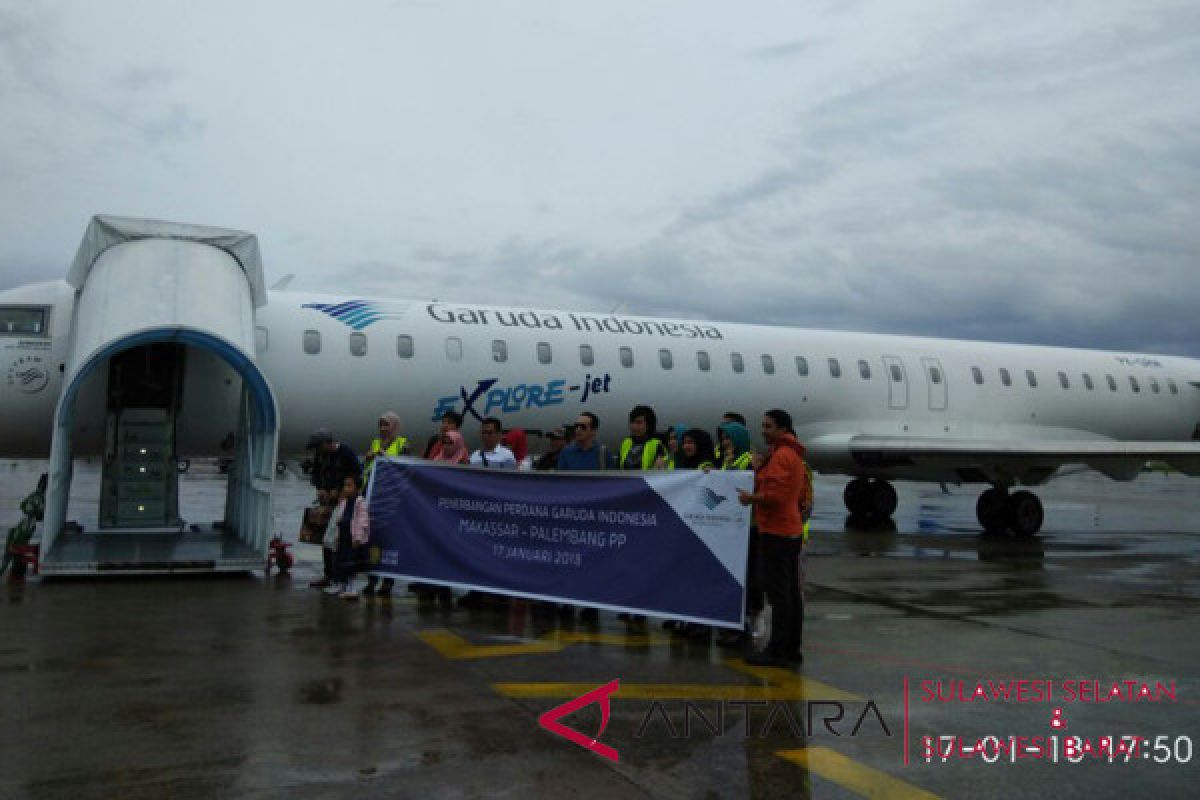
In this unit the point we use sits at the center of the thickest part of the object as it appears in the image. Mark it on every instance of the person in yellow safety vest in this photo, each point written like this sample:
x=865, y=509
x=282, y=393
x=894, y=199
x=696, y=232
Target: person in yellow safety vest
x=695, y=452
x=728, y=416
x=694, y=448
x=642, y=449
x=388, y=443
x=674, y=439
x=806, y=510
x=736, y=454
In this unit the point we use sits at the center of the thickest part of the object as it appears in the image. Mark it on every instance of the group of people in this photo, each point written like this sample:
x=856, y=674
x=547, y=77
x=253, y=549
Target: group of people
x=781, y=500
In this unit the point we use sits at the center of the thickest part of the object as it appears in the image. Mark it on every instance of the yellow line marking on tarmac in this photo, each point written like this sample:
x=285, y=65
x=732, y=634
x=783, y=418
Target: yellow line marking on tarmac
x=453, y=646
x=849, y=774
x=807, y=688
x=614, y=639
x=782, y=684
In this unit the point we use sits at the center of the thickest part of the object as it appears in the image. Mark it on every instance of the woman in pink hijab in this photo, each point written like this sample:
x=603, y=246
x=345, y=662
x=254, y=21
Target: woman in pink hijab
x=453, y=449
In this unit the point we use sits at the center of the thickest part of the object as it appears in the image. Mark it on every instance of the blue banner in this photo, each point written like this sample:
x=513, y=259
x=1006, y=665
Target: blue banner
x=670, y=544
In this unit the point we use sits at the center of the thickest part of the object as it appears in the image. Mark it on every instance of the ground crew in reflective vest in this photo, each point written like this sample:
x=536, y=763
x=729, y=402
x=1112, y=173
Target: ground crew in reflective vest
x=694, y=447
x=642, y=450
x=807, y=500
x=389, y=442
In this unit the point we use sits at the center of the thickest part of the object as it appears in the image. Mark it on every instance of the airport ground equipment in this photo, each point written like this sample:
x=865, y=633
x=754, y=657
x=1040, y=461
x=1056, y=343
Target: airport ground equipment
x=163, y=339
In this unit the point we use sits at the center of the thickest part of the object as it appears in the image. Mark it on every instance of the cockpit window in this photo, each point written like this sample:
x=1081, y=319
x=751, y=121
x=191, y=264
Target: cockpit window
x=22, y=321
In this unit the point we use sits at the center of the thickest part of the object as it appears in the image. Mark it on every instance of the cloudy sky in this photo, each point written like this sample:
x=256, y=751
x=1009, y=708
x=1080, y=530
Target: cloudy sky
x=1019, y=171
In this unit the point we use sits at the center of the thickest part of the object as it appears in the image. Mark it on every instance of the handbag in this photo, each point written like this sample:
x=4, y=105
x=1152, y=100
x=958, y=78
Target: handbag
x=313, y=524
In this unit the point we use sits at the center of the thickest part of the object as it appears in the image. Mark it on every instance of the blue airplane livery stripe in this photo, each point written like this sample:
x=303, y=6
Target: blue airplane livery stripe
x=355, y=314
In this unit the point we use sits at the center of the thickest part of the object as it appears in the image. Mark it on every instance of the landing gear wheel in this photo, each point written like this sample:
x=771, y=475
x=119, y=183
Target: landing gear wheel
x=992, y=510
x=1025, y=514
x=881, y=499
x=855, y=495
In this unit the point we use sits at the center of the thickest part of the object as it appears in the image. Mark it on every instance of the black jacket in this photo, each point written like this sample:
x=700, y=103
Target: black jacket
x=330, y=469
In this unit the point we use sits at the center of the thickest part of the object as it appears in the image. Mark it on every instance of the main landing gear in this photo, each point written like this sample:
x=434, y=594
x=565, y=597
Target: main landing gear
x=1021, y=512
x=871, y=499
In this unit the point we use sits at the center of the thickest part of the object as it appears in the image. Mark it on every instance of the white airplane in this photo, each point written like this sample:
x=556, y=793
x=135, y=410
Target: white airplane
x=163, y=343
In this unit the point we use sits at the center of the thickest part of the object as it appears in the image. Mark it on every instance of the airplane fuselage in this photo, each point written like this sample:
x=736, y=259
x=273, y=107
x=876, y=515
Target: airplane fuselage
x=336, y=362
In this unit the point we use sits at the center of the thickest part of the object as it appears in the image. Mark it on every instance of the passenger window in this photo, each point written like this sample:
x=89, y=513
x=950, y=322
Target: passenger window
x=736, y=360
x=935, y=375
x=23, y=321
x=312, y=342
x=358, y=344
x=801, y=366
x=1029, y=376
x=499, y=351
x=768, y=363
x=977, y=373
x=835, y=369
x=1112, y=382
x=864, y=369
x=544, y=353
x=586, y=356
x=1005, y=378
x=404, y=346
x=1172, y=386
x=1133, y=384
x=262, y=339
x=665, y=359
x=626, y=356
x=1063, y=381
x=897, y=373
x=454, y=348
x=1154, y=385
x=702, y=361
x=1087, y=382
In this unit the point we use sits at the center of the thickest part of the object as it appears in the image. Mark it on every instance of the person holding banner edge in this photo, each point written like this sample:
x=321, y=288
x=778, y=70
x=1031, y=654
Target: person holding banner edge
x=779, y=489
x=388, y=443
x=642, y=450
x=585, y=454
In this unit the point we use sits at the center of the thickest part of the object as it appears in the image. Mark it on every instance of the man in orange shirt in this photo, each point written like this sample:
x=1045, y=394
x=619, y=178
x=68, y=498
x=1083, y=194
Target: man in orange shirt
x=779, y=492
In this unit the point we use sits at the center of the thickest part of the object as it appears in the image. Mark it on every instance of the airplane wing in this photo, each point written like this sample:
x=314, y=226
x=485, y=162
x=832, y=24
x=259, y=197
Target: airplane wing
x=1118, y=459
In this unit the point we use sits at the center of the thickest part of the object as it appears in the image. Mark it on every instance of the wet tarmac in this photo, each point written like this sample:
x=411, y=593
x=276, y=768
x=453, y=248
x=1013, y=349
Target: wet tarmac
x=259, y=686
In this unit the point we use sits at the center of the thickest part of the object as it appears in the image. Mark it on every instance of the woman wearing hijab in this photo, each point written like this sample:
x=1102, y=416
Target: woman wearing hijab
x=695, y=452
x=674, y=438
x=736, y=454
x=450, y=448
x=516, y=440
x=453, y=449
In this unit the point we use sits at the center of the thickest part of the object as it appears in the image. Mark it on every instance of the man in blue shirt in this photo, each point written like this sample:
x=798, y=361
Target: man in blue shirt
x=584, y=453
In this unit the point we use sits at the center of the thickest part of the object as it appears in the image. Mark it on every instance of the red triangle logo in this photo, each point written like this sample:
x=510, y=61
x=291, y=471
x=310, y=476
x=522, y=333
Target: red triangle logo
x=601, y=695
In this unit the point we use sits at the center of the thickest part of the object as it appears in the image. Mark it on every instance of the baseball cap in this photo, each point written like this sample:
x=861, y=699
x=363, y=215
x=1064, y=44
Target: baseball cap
x=319, y=437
